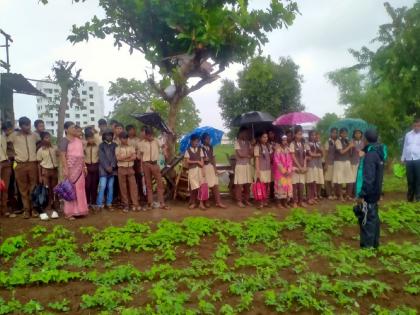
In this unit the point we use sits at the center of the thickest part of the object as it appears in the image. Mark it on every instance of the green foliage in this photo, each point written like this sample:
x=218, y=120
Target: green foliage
x=207, y=266
x=11, y=245
x=385, y=80
x=263, y=85
x=61, y=306
x=323, y=126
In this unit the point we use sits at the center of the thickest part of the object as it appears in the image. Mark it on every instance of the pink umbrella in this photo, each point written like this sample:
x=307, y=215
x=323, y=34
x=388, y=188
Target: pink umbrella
x=295, y=119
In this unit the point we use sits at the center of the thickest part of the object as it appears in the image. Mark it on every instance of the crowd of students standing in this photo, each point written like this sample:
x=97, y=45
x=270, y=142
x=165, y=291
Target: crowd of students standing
x=117, y=163
x=102, y=166
x=295, y=169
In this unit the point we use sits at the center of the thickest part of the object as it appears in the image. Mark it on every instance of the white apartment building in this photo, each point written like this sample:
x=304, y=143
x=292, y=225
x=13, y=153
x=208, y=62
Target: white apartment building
x=92, y=109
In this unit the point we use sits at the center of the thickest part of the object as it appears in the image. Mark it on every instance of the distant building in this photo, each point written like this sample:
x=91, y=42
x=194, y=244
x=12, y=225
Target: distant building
x=92, y=109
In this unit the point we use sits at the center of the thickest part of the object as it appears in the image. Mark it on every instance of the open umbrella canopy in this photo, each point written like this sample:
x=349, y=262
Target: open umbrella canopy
x=250, y=118
x=352, y=124
x=215, y=135
x=296, y=118
x=154, y=120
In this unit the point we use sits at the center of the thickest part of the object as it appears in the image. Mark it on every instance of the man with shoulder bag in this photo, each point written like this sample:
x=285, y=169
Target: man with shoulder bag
x=368, y=190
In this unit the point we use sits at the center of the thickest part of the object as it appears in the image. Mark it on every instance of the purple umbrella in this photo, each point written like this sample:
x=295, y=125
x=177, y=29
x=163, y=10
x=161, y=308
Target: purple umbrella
x=295, y=119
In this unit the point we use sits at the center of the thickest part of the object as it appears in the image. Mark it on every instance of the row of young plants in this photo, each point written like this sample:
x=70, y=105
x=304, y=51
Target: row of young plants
x=251, y=261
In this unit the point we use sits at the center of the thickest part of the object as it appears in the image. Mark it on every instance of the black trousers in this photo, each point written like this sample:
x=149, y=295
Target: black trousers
x=370, y=231
x=413, y=180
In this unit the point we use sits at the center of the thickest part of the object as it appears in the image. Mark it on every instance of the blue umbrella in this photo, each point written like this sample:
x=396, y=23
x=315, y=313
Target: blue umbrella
x=215, y=135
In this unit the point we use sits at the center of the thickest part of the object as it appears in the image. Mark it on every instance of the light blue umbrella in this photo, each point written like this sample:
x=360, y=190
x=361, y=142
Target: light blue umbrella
x=215, y=136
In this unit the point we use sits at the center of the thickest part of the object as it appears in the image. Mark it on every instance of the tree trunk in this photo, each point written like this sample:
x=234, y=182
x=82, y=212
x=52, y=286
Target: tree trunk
x=173, y=112
x=62, y=114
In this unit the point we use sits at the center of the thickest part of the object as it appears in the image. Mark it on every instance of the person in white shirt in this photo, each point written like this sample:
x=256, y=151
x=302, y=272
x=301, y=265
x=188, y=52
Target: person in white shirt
x=411, y=158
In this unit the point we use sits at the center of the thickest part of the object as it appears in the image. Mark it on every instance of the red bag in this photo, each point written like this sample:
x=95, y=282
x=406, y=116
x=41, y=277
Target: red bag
x=2, y=185
x=203, y=192
x=259, y=191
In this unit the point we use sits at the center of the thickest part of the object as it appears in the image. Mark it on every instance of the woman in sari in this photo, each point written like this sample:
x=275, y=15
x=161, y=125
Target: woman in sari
x=74, y=169
x=282, y=173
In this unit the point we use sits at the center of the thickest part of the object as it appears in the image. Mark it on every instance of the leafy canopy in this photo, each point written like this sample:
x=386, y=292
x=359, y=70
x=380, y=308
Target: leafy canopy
x=134, y=96
x=386, y=80
x=263, y=85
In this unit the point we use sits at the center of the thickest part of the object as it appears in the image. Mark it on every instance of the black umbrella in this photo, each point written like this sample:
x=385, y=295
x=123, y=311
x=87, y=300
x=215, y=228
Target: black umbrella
x=154, y=120
x=252, y=118
x=255, y=120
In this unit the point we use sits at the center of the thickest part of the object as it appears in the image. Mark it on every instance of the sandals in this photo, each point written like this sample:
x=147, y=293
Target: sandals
x=164, y=207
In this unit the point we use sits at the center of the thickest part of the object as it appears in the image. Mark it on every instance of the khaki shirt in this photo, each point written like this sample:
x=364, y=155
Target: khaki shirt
x=47, y=157
x=3, y=148
x=134, y=142
x=123, y=152
x=148, y=151
x=24, y=146
x=91, y=153
x=98, y=138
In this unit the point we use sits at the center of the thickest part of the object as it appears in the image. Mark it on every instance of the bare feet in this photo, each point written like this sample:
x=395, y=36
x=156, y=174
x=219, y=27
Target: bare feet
x=221, y=205
x=240, y=205
x=192, y=206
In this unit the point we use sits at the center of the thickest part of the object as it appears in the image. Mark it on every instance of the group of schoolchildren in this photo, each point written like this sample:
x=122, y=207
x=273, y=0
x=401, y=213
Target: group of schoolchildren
x=295, y=170
x=104, y=166
x=118, y=164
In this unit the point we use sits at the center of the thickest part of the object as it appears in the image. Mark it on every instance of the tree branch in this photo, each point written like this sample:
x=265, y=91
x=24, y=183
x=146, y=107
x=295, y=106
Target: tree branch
x=159, y=90
x=203, y=82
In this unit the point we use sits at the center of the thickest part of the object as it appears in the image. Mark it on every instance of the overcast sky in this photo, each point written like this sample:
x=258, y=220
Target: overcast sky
x=318, y=42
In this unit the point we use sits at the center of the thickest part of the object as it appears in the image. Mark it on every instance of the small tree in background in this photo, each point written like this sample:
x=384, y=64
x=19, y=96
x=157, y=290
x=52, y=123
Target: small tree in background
x=323, y=126
x=263, y=85
x=190, y=42
x=69, y=81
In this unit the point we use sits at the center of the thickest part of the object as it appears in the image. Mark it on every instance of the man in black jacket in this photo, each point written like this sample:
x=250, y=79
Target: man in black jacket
x=369, y=189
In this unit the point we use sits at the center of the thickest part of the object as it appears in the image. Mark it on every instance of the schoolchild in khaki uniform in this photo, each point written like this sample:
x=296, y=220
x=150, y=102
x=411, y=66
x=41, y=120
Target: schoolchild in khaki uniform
x=298, y=150
x=91, y=151
x=210, y=170
x=342, y=167
x=24, y=144
x=148, y=153
x=243, y=169
x=262, y=155
x=126, y=155
x=194, y=157
x=134, y=141
x=315, y=174
x=48, y=172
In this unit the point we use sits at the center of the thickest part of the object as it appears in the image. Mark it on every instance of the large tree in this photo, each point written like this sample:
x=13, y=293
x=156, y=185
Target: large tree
x=262, y=85
x=384, y=86
x=134, y=96
x=187, y=39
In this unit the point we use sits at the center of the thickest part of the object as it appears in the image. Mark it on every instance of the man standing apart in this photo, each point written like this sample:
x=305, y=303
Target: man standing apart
x=411, y=158
x=369, y=188
x=24, y=143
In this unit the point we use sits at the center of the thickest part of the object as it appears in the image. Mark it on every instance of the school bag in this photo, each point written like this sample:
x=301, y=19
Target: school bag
x=259, y=191
x=203, y=192
x=39, y=197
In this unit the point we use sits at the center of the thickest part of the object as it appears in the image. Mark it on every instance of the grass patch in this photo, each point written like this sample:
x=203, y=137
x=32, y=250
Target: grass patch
x=221, y=151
